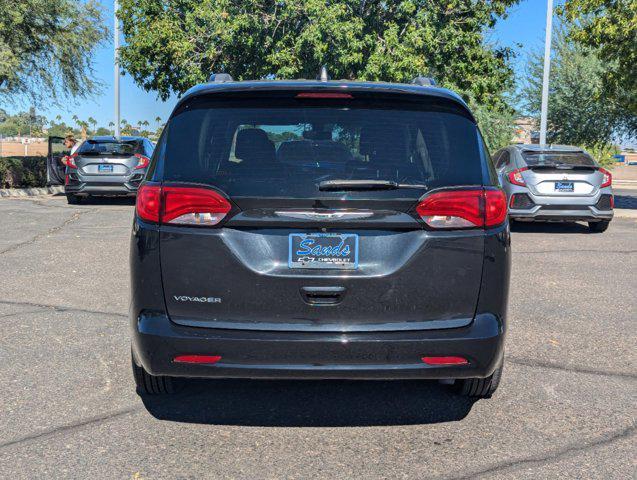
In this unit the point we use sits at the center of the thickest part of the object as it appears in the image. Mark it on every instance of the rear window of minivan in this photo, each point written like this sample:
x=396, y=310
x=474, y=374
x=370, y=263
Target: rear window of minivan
x=286, y=148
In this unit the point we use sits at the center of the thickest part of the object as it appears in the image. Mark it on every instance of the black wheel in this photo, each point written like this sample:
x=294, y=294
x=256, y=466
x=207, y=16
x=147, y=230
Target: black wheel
x=598, y=227
x=480, y=387
x=73, y=199
x=148, y=384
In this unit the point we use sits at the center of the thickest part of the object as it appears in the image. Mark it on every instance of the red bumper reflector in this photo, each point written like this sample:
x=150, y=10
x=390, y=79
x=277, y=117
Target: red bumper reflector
x=445, y=360
x=197, y=358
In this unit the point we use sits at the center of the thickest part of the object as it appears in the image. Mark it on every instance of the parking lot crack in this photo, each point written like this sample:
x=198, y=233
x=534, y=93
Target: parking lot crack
x=42, y=235
x=552, y=456
x=61, y=308
x=568, y=368
x=71, y=426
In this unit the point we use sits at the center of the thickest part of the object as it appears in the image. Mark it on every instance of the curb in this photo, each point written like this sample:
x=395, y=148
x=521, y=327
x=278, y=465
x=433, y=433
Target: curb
x=29, y=192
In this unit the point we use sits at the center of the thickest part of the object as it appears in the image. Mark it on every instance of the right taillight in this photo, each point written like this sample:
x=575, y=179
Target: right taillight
x=181, y=205
x=608, y=178
x=474, y=208
x=515, y=177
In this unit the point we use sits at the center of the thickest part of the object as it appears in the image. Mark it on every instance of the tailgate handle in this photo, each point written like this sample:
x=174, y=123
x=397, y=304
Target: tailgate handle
x=322, y=295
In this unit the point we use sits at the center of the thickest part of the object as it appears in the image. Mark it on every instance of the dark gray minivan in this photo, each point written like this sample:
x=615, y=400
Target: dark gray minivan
x=320, y=230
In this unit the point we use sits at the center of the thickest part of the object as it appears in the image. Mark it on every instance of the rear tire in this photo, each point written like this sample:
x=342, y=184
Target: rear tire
x=73, y=199
x=598, y=227
x=148, y=384
x=480, y=387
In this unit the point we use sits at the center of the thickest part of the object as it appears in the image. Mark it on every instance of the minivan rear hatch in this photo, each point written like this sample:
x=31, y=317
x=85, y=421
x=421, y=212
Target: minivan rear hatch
x=306, y=175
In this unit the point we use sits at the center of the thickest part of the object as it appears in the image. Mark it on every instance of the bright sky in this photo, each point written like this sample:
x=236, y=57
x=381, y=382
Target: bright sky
x=524, y=25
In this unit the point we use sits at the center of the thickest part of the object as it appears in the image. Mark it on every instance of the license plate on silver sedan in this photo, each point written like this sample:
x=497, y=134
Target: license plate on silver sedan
x=323, y=250
x=105, y=168
x=564, y=187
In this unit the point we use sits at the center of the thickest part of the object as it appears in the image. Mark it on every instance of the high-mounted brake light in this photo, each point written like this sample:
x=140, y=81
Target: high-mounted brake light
x=70, y=161
x=181, y=205
x=608, y=178
x=468, y=208
x=515, y=176
x=323, y=95
x=142, y=161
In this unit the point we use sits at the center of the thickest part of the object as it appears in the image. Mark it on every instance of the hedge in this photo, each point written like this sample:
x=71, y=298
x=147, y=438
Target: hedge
x=22, y=172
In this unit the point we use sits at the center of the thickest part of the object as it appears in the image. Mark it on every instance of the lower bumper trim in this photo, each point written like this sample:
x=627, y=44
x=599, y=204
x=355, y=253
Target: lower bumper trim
x=318, y=355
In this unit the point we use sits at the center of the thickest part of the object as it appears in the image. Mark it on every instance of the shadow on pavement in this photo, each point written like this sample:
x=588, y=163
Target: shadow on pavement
x=549, y=227
x=327, y=403
x=109, y=201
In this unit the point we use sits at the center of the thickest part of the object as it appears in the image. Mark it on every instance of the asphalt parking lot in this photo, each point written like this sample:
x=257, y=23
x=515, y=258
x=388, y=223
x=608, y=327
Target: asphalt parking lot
x=565, y=409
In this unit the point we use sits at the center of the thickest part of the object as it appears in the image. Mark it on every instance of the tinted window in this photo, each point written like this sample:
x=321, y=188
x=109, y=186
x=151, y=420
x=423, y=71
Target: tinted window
x=504, y=159
x=110, y=147
x=286, y=150
x=555, y=158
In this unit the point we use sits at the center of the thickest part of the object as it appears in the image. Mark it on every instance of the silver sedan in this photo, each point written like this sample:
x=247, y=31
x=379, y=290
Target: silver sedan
x=555, y=183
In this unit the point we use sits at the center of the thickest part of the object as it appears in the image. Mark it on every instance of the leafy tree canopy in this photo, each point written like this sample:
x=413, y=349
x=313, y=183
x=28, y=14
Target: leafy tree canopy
x=172, y=45
x=611, y=26
x=46, y=48
x=578, y=112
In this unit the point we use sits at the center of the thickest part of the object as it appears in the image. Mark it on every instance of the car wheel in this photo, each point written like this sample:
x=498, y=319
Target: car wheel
x=598, y=227
x=73, y=199
x=480, y=387
x=148, y=384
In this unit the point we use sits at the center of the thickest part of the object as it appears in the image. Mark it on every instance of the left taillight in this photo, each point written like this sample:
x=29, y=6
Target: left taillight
x=148, y=204
x=464, y=208
x=181, y=205
x=142, y=161
x=608, y=178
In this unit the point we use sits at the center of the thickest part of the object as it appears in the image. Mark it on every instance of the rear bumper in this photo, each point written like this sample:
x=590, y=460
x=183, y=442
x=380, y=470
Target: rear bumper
x=302, y=355
x=104, y=184
x=553, y=208
x=540, y=212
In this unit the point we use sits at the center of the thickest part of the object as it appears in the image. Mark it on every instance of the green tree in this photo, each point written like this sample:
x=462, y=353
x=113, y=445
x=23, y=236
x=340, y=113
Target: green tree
x=21, y=123
x=578, y=112
x=46, y=48
x=171, y=46
x=611, y=27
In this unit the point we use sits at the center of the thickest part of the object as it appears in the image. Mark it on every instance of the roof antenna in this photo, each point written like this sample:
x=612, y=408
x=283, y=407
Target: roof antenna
x=323, y=76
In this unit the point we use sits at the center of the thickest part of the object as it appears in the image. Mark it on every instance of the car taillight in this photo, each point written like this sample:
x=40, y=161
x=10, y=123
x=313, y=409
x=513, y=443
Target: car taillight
x=70, y=161
x=181, y=205
x=515, y=177
x=148, y=204
x=193, y=206
x=142, y=161
x=464, y=208
x=495, y=207
x=608, y=178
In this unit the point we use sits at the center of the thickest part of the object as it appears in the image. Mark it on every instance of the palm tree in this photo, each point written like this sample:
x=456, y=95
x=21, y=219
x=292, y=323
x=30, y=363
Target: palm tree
x=112, y=126
x=93, y=122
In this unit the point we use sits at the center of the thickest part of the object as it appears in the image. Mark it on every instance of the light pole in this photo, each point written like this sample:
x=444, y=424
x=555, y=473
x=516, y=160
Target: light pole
x=547, y=69
x=116, y=66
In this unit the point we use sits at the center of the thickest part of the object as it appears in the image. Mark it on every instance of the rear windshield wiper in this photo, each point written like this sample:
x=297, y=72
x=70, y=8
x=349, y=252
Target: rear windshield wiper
x=339, y=185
